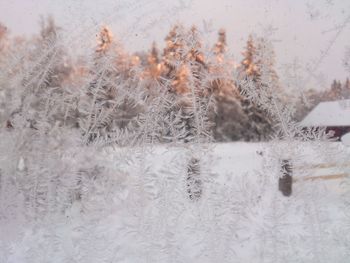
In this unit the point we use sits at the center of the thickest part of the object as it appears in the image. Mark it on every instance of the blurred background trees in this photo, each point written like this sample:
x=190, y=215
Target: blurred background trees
x=111, y=91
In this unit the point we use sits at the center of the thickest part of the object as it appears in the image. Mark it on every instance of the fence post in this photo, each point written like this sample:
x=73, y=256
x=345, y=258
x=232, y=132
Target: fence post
x=285, y=181
x=194, y=182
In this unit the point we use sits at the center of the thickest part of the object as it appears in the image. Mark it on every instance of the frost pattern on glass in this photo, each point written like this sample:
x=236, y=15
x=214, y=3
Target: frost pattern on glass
x=110, y=156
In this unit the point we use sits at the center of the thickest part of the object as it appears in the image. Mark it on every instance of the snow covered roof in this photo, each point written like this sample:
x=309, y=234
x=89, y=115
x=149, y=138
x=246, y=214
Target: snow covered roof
x=330, y=113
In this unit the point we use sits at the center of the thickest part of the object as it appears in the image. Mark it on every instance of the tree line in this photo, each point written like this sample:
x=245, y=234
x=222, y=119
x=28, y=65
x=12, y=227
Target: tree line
x=107, y=92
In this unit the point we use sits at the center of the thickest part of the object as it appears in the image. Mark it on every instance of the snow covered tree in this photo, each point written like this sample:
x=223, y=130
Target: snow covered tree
x=229, y=118
x=187, y=78
x=335, y=91
x=111, y=101
x=150, y=76
x=153, y=57
x=36, y=93
x=258, y=64
x=338, y=90
x=220, y=67
x=257, y=67
x=221, y=45
x=186, y=72
x=249, y=63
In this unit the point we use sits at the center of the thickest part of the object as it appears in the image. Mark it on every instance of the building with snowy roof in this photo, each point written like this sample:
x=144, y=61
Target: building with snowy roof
x=332, y=115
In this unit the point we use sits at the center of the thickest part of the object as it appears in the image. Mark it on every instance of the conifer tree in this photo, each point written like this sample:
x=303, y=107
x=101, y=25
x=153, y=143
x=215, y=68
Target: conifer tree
x=265, y=61
x=221, y=45
x=111, y=102
x=186, y=72
x=154, y=55
x=39, y=91
x=259, y=61
x=58, y=76
x=220, y=68
x=248, y=63
x=154, y=66
x=229, y=117
x=257, y=67
x=346, y=89
x=335, y=91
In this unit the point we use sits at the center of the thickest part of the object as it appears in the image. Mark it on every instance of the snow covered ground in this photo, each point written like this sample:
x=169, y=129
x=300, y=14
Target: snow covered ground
x=145, y=214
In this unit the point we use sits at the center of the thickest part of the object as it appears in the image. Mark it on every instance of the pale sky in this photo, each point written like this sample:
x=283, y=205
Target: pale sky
x=303, y=29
